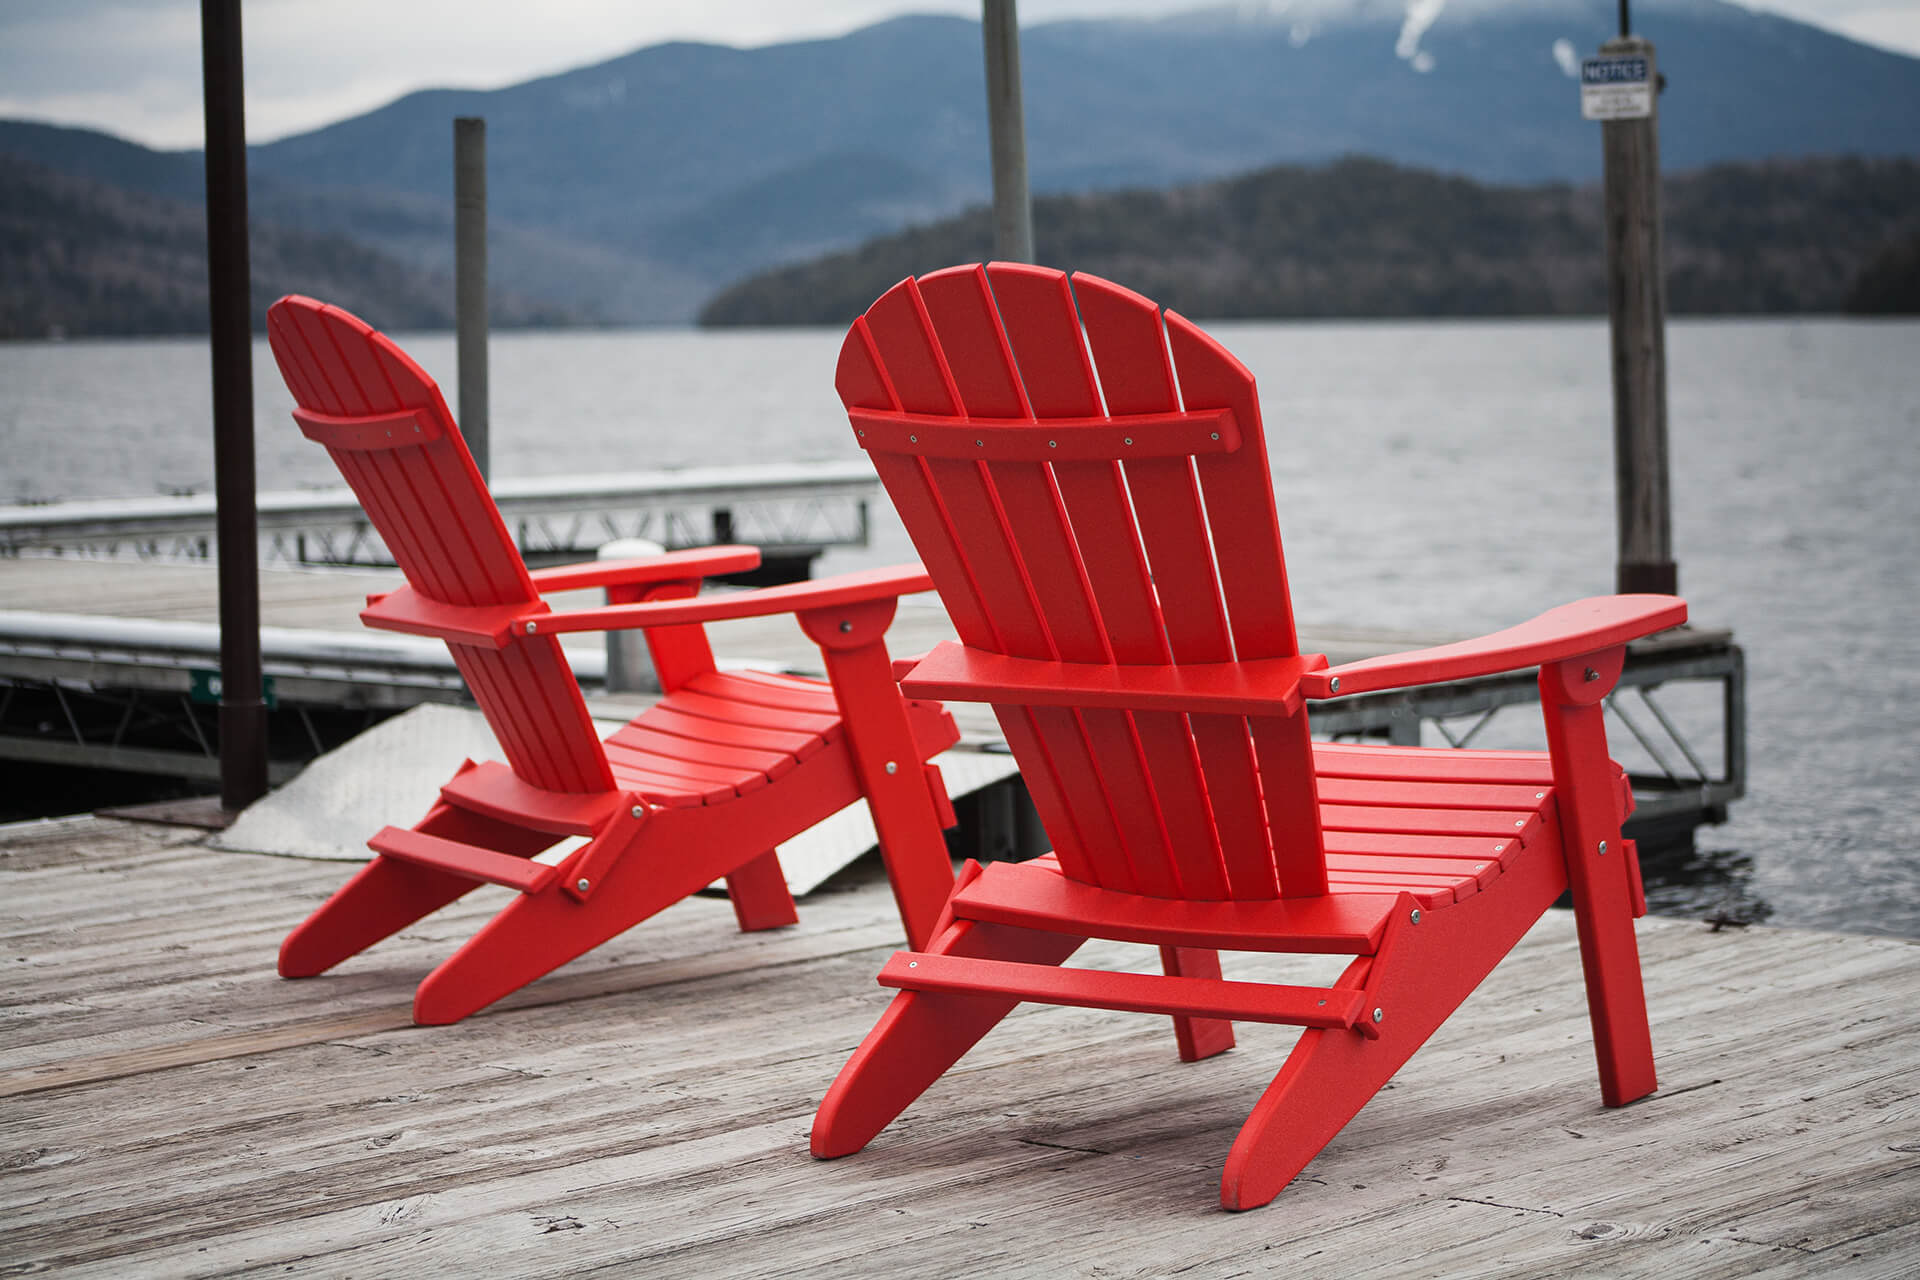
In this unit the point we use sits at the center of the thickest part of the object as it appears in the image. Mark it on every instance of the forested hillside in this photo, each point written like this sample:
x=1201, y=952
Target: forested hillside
x=1366, y=238
x=81, y=257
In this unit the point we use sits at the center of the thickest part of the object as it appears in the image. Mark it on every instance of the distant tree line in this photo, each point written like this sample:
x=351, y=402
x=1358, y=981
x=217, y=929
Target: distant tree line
x=79, y=257
x=1362, y=237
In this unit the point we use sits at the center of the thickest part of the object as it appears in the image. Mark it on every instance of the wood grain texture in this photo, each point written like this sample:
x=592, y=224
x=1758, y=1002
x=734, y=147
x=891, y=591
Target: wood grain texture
x=646, y=1108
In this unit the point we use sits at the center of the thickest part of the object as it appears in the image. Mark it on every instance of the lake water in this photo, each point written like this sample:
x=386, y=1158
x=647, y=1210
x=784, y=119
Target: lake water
x=1432, y=476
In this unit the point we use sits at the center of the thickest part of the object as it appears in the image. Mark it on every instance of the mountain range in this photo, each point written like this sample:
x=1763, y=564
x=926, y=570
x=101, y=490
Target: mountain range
x=633, y=190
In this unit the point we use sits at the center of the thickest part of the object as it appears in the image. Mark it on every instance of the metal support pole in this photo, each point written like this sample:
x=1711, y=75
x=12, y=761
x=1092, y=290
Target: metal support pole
x=1006, y=123
x=1637, y=312
x=243, y=710
x=470, y=281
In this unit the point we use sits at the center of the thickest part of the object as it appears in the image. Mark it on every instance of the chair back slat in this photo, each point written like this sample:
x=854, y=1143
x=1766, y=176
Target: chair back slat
x=1036, y=307
x=995, y=574
x=1097, y=749
x=432, y=510
x=1103, y=559
x=1130, y=355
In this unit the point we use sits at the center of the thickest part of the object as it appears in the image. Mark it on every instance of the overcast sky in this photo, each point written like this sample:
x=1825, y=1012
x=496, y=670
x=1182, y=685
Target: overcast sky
x=132, y=67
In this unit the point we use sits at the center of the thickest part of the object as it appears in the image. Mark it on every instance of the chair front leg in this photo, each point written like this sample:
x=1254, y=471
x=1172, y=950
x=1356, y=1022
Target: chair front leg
x=1598, y=870
x=906, y=814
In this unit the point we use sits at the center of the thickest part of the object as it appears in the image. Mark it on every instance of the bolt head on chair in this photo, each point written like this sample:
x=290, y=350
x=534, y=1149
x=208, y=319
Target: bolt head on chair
x=701, y=786
x=1086, y=479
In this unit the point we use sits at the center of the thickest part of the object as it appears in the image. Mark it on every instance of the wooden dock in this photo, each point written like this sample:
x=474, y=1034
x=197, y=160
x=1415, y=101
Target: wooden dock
x=171, y=1108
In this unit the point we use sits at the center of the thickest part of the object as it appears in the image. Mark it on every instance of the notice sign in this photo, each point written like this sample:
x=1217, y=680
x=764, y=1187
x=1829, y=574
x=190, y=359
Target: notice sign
x=1617, y=88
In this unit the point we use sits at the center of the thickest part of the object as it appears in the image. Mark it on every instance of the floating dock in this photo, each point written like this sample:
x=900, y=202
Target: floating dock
x=172, y=1108
x=791, y=510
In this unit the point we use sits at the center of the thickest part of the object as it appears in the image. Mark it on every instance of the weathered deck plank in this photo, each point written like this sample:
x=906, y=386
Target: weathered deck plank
x=168, y=1107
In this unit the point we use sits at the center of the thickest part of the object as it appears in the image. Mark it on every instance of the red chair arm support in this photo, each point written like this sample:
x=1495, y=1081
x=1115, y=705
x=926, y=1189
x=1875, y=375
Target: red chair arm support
x=699, y=562
x=841, y=589
x=405, y=610
x=1259, y=687
x=1585, y=626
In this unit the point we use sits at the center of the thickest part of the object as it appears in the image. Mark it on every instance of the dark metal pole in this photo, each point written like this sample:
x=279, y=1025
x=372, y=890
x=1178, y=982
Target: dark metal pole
x=1626, y=27
x=243, y=711
x=1006, y=124
x=470, y=281
x=1637, y=315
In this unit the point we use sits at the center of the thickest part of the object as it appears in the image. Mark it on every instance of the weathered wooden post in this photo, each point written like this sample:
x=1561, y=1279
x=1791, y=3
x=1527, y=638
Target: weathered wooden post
x=243, y=708
x=1006, y=124
x=1621, y=89
x=470, y=281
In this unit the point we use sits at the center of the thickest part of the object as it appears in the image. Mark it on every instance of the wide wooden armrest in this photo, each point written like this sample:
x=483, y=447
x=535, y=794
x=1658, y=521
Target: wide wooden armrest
x=1258, y=687
x=403, y=609
x=825, y=593
x=670, y=566
x=1570, y=631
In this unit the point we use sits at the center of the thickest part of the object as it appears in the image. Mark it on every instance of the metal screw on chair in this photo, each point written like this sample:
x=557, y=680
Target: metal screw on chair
x=979, y=444
x=1414, y=915
x=1519, y=822
x=846, y=625
x=583, y=884
x=1379, y=1014
x=1539, y=795
x=638, y=812
x=529, y=628
x=1333, y=685
x=1216, y=435
x=893, y=767
x=913, y=964
x=1053, y=444
x=1128, y=440
x=1603, y=848
x=1591, y=675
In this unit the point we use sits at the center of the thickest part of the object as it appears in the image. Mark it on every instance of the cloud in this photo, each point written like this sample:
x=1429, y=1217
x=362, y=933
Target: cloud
x=1563, y=53
x=1421, y=14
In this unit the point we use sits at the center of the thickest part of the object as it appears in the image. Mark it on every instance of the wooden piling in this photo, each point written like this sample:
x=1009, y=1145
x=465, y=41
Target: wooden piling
x=1006, y=123
x=470, y=281
x=243, y=709
x=1637, y=312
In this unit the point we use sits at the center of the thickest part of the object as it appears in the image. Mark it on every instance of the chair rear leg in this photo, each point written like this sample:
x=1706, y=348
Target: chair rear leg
x=1198, y=1037
x=920, y=1035
x=387, y=895
x=759, y=893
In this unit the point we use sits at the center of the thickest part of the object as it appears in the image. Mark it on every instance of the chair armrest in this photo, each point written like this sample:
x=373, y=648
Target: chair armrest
x=1570, y=631
x=1257, y=687
x=903, y=666
x=826, y=593
x=488, y=626
x=671, y=566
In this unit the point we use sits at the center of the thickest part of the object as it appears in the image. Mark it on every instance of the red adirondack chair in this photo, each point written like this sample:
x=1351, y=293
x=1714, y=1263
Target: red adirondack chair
x=702, y=785
x=1089, y=488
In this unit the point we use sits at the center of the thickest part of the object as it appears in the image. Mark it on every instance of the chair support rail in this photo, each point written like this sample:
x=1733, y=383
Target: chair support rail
x=460, y=859
x=1324, y=1007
